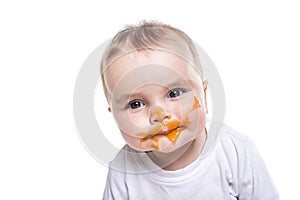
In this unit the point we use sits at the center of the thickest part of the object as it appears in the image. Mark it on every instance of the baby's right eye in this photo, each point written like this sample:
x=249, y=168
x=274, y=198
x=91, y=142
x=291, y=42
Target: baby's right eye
x=134, y=104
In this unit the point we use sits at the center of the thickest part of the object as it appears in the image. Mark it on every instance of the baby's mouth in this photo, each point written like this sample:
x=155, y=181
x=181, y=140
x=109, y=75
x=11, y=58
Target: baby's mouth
x=171, y=133
x=165, y=131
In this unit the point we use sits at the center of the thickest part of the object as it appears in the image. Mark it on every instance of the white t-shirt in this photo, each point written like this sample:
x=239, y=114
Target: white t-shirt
x=229, y=167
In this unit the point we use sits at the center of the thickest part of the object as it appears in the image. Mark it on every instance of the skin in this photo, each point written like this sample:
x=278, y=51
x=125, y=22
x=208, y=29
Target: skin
x=159, y=102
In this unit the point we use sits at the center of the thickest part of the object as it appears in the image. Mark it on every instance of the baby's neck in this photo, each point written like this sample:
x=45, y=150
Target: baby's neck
x=182, y=157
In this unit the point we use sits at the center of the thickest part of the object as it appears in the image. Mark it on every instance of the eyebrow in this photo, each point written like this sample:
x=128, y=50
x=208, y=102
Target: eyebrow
x=169, y=85
x=125, y=97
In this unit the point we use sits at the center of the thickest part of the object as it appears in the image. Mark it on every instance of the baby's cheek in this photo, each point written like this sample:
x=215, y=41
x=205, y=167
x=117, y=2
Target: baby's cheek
x=130, y=124
x=195, y=116
x=132, y=141
x=138, y=120
x=200, y=119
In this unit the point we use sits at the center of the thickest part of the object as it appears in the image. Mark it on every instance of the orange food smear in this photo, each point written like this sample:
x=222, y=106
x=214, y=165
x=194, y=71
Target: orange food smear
x=196, y=103
x=159, y=114
x=195, y=106
x=151, y=131
x=173, y=136
x=174, y=124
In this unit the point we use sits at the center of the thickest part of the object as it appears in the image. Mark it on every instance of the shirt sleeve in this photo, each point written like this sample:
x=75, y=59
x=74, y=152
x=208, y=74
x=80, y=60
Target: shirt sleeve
x=255, y=182
x=115, y=188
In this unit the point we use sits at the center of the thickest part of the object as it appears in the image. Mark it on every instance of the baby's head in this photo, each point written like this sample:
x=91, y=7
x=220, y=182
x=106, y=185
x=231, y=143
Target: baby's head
x=153, y=82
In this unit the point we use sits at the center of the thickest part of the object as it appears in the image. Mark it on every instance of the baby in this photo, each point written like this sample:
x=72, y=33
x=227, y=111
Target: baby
x=156, y=90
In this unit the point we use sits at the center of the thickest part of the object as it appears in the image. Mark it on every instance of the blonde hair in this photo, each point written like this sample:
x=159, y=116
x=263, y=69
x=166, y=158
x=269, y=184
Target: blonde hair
x=149, y=35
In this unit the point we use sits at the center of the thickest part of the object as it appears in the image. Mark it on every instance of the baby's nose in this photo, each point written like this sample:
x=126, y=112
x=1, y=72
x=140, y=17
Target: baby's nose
x=158, y=114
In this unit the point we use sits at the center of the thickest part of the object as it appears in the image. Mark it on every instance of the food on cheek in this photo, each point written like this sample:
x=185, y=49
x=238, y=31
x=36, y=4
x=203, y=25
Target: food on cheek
x=174, y=127
x=195, y=106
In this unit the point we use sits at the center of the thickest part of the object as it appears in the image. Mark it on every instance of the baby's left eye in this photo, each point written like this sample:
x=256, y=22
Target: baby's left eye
x=175, y=93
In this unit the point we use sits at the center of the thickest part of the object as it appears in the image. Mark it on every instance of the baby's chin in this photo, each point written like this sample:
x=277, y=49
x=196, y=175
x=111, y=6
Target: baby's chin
x=163, y=145
x=169, y=147
x=166, y=146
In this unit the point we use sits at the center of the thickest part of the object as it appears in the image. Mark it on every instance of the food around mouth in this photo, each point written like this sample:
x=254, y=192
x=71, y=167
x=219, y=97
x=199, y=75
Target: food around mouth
x=170, y=129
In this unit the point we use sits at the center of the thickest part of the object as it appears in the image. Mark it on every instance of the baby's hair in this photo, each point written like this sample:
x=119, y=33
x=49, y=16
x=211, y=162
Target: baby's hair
x=147, y=36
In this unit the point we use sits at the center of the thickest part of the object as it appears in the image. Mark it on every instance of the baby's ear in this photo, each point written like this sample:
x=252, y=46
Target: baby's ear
x=109, y=109
x=205, y=83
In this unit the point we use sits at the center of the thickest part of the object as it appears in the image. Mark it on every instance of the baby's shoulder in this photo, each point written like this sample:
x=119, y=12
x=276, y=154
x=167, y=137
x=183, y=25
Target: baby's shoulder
x=229, y=134
x=232, y=141
x=119, y=161
x=129, y=160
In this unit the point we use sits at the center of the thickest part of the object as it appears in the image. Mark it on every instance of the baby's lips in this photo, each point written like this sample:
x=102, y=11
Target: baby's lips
x=161, y=129
x=166, y=130
x=151, y=131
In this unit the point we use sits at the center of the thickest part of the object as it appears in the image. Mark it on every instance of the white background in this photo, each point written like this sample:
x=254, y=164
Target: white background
x=254, y=45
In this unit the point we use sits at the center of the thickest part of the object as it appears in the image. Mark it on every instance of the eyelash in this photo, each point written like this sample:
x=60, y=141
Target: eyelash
x=134, y=101
x=181, y=91
x=129, y=105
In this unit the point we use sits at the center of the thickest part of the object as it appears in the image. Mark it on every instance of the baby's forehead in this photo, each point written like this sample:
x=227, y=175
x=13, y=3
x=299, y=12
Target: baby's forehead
x=138, y=68
x=134, y=59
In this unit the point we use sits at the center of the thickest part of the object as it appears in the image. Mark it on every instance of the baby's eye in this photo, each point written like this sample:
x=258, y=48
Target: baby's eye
x=175, y=93
x=134, y=104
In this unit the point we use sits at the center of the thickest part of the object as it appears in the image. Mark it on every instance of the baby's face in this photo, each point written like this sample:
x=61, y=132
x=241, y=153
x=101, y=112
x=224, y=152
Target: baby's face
x=157, y=99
